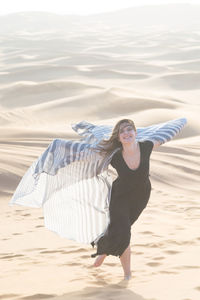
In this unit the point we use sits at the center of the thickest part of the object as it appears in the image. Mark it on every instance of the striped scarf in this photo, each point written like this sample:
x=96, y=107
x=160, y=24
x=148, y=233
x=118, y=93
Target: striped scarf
x=70, y=180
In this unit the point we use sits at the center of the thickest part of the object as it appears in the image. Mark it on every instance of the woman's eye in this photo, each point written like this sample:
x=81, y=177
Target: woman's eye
x=128, y=128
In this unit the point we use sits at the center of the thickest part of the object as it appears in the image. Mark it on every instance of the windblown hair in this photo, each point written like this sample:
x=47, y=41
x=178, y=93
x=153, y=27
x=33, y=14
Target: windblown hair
x=107, y=146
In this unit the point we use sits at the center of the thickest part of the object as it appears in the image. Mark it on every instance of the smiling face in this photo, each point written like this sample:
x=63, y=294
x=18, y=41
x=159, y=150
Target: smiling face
x=127, y=134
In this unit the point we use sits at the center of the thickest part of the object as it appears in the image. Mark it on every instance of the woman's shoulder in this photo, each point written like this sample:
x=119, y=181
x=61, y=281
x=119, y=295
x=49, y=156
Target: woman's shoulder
x=147, y=144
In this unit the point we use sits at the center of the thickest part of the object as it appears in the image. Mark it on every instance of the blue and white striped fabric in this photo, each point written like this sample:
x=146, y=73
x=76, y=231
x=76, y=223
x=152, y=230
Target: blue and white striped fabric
x=70, y=180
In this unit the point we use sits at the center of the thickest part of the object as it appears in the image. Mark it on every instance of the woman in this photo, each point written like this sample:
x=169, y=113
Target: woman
x=130, y=192
x=69, y=181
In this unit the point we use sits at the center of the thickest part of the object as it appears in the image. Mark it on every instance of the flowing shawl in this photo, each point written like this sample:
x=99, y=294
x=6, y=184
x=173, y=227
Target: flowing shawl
x=71, y=182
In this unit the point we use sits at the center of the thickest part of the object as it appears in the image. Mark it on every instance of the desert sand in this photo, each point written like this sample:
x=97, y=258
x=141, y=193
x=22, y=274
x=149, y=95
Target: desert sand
x=93, y=69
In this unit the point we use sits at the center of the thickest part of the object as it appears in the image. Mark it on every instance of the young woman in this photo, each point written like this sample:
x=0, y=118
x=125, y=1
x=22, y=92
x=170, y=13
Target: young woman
x=130, y=192
x=68, y=180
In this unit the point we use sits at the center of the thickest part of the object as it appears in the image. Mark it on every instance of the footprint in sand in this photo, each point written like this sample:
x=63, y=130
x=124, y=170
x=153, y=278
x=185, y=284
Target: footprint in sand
x=158, y=191
x=168, y=272
x=85, y=256
x=110, y=264
x=16, y=233
x=11, y=256
x=73, y=264
x=153, y=264
x=171, y=252
x=188, y=267
x=38, y=296
x=159, y=258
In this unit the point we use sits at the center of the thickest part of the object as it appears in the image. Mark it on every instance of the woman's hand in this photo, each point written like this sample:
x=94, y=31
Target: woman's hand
x=156, y=144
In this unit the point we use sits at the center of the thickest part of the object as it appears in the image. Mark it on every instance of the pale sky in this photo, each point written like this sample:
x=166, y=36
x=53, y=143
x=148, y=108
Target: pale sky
x=79, y=7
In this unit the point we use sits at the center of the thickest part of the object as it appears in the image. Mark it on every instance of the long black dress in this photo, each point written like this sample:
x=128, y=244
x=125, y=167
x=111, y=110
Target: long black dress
x=129, y=196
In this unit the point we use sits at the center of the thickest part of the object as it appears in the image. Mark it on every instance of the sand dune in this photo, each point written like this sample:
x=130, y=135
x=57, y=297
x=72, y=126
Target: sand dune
x=193, y=65
x=22, y=94
x=56, y=71
x=184, y=55
x=177, y=81
x=185, y=81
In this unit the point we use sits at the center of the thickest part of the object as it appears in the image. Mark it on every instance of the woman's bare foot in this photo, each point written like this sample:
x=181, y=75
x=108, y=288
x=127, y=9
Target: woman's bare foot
x=99, y=260
x=127, y=277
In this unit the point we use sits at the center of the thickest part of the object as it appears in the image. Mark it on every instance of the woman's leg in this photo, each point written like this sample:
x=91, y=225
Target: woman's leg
x=125, y=259
x=99, y=260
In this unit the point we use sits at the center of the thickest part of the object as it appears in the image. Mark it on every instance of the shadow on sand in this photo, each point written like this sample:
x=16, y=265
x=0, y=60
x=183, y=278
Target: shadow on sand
x=105, y=291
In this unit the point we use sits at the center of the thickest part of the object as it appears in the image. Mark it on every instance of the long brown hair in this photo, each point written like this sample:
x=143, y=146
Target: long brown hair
x=107, y=146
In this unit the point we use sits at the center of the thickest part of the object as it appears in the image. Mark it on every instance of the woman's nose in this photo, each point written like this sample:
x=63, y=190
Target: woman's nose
x=126, y=132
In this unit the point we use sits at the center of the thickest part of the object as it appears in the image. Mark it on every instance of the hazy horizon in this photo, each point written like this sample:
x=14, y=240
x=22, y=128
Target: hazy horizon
x=89, y=8
x=183, y=17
